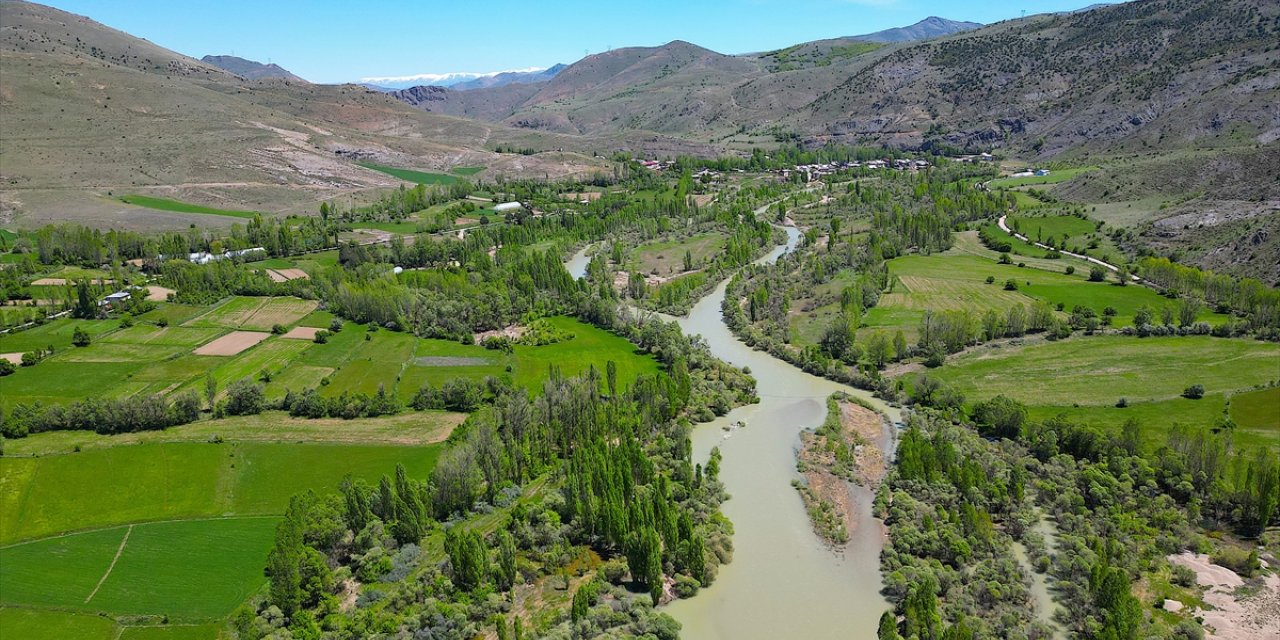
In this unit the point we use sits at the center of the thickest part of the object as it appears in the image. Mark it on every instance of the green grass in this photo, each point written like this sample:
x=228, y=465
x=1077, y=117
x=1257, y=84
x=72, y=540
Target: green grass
x=957, y=281
x=410, y=175
x=57, y=333
x=589, y=347
x=1055, y=176
x=667, y=257
x=172, y=632
x=1048, y=227
x=377, y=361
x=40, y=624
x=187, y=570
x=1257, y=412
x=1100, y=370
x=172, y=313
x=420, y=372
x=164, y=481
x=467, y=171
x=165, y=204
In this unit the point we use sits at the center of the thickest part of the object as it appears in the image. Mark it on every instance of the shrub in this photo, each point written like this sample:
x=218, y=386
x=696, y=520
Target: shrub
x=1194, y=392
x=1122, y=403
x=1010, y=285
x=162, y=322
x=322, y=337
x=335, y=326
x=30, y=359
x=1097, y=274
x=1238, y=560
x=244, y=398
x=1070, y=269
x=278, y=329
x=1005, y=259
x=991, y=279
x=6, y=367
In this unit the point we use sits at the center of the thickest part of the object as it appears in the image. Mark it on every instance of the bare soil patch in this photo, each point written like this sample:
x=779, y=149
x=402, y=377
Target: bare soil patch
x=57, y=282
x=158, y=294
x=586, y=195
x=1241, y=610
x=285, y=275
x=15, y=357
x=513, y=332
x=232, y=343
x=302, y=333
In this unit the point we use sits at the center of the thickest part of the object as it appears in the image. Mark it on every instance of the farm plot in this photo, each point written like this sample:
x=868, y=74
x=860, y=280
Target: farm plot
x=260, y=314
x=43, y=624
x=285, y=275
x=232, y=343
x=377, y=362
x=151, y=335
x=56, y=333
x=1100, y=370
x=302, y=333
x=187, y=570
x=162, y=481
x=438, y=361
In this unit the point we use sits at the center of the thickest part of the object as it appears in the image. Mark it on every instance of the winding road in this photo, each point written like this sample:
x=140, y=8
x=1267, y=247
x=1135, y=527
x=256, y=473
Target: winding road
x=1005, y=228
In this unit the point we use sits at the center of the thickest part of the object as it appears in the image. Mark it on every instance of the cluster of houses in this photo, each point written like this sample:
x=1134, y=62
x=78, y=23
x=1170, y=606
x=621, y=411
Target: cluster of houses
x=1038, y=173
x=657, y=165
x=981, y=157
x=812, y=172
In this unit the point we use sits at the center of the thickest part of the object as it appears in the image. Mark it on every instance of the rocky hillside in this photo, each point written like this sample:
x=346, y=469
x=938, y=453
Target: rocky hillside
x=250, y=69
x=91, y=112
x=1144, y=74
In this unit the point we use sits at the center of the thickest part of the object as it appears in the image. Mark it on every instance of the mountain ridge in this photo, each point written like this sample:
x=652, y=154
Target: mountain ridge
x=250, y=69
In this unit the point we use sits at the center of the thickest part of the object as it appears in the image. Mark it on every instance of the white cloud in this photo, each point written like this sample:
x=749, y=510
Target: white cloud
x=437, y=78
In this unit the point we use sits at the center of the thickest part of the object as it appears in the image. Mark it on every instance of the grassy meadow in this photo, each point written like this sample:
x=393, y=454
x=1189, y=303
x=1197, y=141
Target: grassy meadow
x=177, y=206
x=410, y=175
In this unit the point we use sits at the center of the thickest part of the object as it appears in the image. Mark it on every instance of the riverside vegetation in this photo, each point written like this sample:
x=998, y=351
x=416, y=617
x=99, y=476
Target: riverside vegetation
x=523, y=437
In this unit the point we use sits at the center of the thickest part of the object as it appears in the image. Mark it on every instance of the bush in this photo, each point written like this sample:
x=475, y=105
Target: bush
x=278, y=329
x=1122, y=403
x=1070, y=269
x=991, y=279
x=244, y=398
x=1010, y=285
x=80, y=338
x=162, y=322
x=1005, y=259
x=322, y=337
x=30, y=359
x=6, y=367
x=1238, y=560
x=1097, y=274
x=1194, y=392
x=335, y=326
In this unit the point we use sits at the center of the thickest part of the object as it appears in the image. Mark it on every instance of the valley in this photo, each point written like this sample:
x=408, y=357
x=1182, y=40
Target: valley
x=947, y=331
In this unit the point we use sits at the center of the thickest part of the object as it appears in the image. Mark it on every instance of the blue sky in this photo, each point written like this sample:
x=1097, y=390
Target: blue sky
x=346, y=40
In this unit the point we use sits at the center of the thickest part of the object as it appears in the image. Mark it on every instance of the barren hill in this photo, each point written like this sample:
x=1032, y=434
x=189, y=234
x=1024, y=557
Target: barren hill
x=91, y=112
x=250, y=69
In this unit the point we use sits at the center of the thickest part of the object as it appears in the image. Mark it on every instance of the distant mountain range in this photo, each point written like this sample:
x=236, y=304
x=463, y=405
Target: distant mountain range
x=250, y=69
x=462, y=80
x=927, y=29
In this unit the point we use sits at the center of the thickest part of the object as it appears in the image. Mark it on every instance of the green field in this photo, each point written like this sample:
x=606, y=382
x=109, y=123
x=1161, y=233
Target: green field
x=410, y=175
x=55, y=332
x=957, y=281
x=589, y=347
x=1044, y=228
x=1098, y=371
x=254, y=314
x=667, y=258
x=187, y=570
x=1055, y=176
x=1157, y=417
x=43, y=624
x=163, y=481
x=165, y=204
